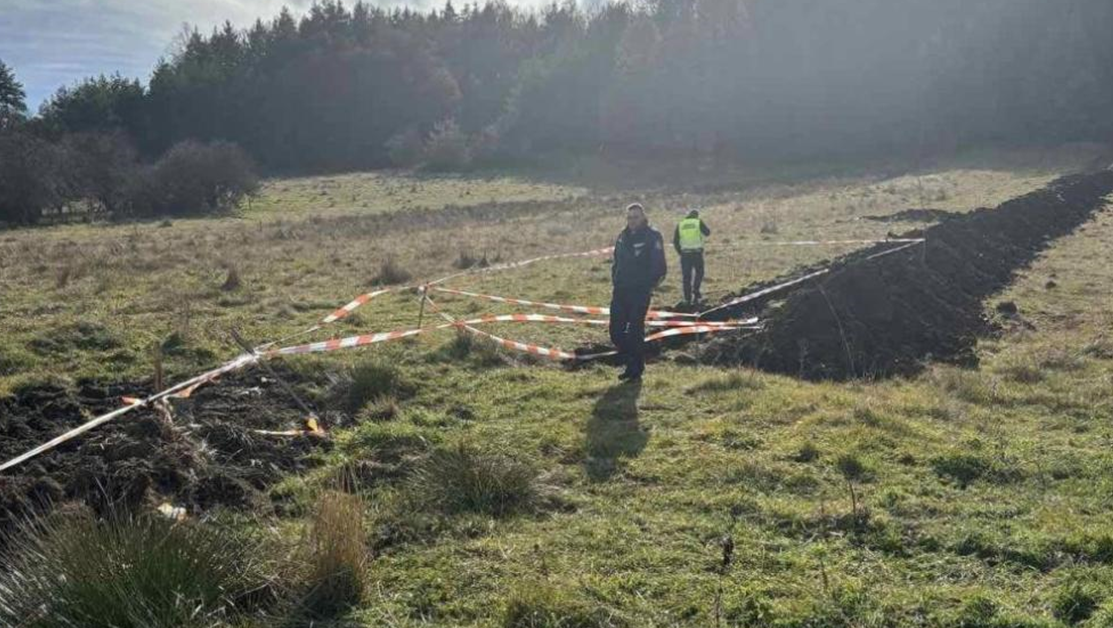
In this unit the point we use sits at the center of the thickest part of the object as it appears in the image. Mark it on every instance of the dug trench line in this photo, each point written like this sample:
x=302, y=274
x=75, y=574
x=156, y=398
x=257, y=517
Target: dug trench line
x=889, y=315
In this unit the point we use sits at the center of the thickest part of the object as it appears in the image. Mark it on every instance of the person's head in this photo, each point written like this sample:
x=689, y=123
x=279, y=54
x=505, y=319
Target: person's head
x=635, y=216
x=693, y=213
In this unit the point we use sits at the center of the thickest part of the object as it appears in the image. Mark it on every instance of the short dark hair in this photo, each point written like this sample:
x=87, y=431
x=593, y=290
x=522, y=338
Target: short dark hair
x=637, y=206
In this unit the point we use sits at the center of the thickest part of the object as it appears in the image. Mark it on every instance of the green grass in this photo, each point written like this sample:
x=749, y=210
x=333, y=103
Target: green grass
x=551, y=497
x=147, y=571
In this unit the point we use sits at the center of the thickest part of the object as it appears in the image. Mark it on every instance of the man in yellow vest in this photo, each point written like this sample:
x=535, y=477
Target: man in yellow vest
x=688, y=239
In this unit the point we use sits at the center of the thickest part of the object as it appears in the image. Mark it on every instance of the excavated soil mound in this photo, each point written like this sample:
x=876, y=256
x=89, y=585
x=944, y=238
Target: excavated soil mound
x=207, y=456
x=888, y=315
x=914, y=215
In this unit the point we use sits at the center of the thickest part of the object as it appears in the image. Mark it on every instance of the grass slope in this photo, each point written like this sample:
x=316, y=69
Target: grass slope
x=958, y=498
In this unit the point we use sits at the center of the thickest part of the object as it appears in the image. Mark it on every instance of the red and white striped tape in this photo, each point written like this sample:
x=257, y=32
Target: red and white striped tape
x=545, y=352
x=362, y=299
x=347, y=343
x=577, y=309
x=189, y=384
x=355, y=303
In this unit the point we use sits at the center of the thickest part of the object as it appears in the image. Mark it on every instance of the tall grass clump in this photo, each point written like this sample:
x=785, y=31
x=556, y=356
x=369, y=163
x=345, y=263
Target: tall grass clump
x=336, y=555
x=142, y=572
x=462, y=479
x=391, y=273
x=373, y=380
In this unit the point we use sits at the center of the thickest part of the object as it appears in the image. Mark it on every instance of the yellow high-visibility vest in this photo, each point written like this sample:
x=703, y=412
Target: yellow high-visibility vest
x=691, y=236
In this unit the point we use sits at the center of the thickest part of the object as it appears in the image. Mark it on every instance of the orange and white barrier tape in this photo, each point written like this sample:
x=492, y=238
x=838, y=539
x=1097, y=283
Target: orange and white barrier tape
x=560, y=354
x=362, y=299
x=355, y=303
x=577, y=309
x=346, y=343
x=694, y=329
x=545, y=352
x=189, y=384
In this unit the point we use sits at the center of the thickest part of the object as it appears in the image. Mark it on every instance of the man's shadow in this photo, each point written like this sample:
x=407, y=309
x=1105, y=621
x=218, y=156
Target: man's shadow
x=613, y=431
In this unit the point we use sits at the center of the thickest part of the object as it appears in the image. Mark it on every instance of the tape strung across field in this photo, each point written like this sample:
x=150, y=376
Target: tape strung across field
x=187, y=386
x=578, y=309
x=657, y=318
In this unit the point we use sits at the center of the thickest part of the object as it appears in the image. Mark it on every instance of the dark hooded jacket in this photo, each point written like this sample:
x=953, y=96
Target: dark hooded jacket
x=639, y=260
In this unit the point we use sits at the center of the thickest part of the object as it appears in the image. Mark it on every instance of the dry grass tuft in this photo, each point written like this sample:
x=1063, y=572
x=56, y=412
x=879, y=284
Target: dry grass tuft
x=336, y=555
x=391, y=273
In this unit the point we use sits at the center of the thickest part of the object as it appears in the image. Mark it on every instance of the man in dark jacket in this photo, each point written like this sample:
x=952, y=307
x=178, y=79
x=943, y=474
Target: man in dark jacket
x=639, y=265
x=688, y=239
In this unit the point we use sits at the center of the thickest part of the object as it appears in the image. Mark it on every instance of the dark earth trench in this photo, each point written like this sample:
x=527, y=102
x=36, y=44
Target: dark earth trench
x=891, y=315
x=207, y=456
x=864, y=318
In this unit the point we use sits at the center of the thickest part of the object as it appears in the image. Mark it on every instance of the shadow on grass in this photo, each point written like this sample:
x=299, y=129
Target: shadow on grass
x=613, y=431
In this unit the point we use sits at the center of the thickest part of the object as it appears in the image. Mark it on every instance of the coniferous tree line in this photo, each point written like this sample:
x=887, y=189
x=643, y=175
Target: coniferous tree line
x=350, y=87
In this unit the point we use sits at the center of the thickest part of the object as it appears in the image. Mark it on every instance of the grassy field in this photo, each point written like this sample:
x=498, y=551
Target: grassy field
x=499, y=491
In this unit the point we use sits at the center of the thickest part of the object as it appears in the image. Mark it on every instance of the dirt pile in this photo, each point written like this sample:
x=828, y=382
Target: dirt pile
x=914, y=215
x=207, y=456
x=886, y=316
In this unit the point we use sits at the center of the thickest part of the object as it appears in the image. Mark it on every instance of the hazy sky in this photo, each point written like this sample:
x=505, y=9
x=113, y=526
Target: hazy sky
x=50, y=43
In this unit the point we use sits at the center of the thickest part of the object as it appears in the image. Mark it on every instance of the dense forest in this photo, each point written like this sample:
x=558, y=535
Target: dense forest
x=364, y=87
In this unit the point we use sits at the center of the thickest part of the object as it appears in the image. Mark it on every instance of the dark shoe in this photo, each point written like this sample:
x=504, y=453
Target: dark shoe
x=627, y=376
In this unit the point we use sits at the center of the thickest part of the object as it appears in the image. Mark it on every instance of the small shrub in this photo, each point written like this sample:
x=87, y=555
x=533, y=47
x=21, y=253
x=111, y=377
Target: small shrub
x=966, y=385
x=404, y=149
x=391, y=273
x=13, y=360
x=74, y=570
x=977, y=612
x=336, y=555
x=467, y=347
x=465, y=260
x=462, y=479
x=964, y=469
x=732, y=382
x=85, y=336
x=485, y=145
x=373, y=379
x=1023, y=374
x=852, y=468
x=384, y=408
x=541, y=605
x=447, y=147
x=232, y=280
x=1075, y=602
x=807, y=453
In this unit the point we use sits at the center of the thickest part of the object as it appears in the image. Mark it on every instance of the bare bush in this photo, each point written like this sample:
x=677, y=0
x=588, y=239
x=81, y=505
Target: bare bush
x=194, y=178
x=447, y=147
x=391, y=273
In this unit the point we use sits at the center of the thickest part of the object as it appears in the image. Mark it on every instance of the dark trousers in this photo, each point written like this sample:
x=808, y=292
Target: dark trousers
x=628, y=308
x=691, y=263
